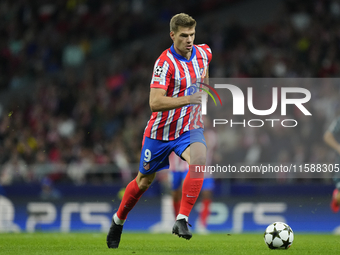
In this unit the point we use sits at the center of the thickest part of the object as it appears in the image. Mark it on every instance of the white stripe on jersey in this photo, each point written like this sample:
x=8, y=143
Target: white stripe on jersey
x=204, y=55
x=165, y=71
x=196, y=69
x=187, y=127
x=184, y=110
x=180, y=120
x=208, y=49
x=155, y=125
x=194, y=109
x=153, y=76
x=156, y=64
x=177, y=73
x=166, y=128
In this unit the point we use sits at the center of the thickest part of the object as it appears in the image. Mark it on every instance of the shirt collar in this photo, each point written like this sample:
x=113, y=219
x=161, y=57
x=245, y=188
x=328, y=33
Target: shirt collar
x=179, y=57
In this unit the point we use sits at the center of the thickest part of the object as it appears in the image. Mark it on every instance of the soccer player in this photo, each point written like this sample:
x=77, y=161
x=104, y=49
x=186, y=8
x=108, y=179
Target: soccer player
x=332, y=138
x=175, y=125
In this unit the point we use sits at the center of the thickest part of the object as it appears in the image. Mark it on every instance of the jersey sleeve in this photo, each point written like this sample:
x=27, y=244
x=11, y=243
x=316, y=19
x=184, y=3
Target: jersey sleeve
x=161, y=76
x=207, y=50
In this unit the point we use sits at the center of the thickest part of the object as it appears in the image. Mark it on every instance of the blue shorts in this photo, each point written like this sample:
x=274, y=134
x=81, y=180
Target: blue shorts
x=178, y=177
x=155, y=153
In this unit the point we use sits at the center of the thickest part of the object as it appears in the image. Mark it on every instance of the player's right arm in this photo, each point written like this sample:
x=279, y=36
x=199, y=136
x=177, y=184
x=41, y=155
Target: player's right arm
x=159, y=102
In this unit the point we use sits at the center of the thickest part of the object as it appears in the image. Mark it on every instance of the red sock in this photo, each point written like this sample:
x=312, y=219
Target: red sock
x=176, y=205
x=205, y=211
x=131, y=196
x=190, y=190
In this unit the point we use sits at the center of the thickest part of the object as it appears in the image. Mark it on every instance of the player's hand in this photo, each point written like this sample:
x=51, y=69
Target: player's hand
x=196, y=98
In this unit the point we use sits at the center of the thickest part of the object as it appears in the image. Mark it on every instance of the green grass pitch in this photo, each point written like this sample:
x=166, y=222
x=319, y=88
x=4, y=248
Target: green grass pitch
x=148, y=244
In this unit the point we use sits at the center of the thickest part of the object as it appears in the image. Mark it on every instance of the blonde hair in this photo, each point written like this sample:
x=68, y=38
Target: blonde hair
x=183, y=20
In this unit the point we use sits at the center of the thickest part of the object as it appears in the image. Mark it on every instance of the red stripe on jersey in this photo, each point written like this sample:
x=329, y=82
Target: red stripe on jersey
x=162, y=123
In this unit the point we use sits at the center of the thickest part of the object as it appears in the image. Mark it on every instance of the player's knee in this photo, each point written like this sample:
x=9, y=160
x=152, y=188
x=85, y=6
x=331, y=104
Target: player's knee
x=144, y=184
x=144, y=181
x=198, y=160
x=197, y=154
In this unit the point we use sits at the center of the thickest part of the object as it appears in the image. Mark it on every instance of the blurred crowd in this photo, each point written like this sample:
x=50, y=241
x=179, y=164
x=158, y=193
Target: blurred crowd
x=87, y=64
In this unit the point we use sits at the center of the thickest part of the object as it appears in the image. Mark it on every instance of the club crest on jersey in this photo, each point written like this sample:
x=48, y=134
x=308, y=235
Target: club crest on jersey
x=146, y=165
x=158, y=71
x=202, y=72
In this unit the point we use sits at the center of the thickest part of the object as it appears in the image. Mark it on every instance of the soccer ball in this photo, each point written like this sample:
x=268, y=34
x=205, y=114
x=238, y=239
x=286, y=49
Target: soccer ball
x=278, y=235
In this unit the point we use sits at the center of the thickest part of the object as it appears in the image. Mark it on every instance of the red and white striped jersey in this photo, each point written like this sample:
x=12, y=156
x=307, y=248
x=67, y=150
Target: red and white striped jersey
x=175, y=74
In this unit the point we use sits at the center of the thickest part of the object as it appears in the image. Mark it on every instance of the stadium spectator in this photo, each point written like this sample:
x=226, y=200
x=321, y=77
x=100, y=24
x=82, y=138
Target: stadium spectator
x=14, y=170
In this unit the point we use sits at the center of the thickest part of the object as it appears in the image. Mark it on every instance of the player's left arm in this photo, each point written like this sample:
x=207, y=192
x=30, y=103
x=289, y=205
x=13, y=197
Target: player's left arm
x=206, y=78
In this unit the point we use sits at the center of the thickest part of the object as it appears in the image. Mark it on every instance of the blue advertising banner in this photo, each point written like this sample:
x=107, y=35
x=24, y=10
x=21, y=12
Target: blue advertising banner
x=232, y=213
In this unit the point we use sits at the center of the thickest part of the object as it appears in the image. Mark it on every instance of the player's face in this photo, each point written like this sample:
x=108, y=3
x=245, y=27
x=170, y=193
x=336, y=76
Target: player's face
x=183, y=40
